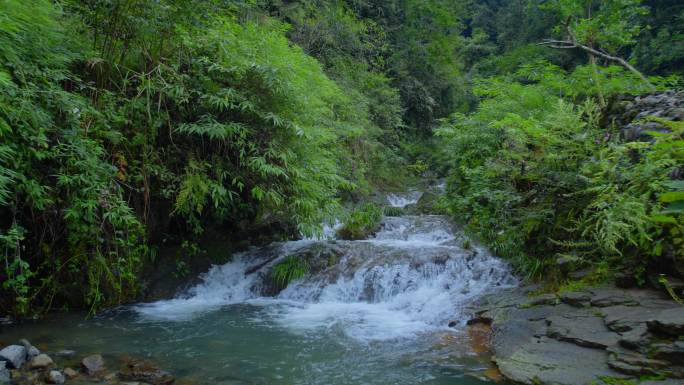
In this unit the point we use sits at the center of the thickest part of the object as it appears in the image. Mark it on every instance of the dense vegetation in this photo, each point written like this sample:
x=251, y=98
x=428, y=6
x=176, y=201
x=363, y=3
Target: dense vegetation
x=128, y=124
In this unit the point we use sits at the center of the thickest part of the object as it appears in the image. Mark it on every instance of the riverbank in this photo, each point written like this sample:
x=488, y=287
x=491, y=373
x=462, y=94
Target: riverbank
x=600, y=335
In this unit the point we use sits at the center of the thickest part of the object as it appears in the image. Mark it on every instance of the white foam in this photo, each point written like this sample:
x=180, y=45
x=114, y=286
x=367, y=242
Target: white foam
x=411, y=279
x=403, y=200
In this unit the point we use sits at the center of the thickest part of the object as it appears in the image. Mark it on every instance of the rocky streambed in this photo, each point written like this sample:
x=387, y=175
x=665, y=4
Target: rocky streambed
x=25, y=364
x=602, y=335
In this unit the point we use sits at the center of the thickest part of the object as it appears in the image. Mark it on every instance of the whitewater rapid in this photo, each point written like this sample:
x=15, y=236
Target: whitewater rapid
x=416, y=275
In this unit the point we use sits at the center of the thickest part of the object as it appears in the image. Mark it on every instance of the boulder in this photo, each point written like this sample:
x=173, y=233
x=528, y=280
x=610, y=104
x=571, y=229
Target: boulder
x=31, y=351
x=55, y=377
x=668, y=321
x=15, y=355
x=93, y=365
x=4, y=373
x=40, y=361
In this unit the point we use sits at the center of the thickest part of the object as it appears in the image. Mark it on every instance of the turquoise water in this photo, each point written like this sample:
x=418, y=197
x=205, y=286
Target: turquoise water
x=243, y=344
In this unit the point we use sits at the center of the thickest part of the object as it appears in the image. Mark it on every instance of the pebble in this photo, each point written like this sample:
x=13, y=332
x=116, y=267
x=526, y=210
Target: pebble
x=55, y=377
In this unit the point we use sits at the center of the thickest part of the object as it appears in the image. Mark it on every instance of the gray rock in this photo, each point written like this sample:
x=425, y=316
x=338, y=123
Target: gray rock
x=670, y=352
x=32, y=352
x=612, y=297
x=547, y=361
x=93, y=364
x=4, y=373
x=625, y=318
x=544, y=299
x=576, y=299
x=40, y=361
x=587, y=331
x=636, y=364
x=15, y=355
x=55, y=377
x=662, y=382
x=637, y=339
x=669, y=321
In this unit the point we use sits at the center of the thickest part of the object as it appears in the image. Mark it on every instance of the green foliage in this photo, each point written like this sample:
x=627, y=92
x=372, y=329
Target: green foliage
x=534, y=174
x=291, y=268
x=116, y=114
x=610, y=24
x=391, y=211
x=361, y=222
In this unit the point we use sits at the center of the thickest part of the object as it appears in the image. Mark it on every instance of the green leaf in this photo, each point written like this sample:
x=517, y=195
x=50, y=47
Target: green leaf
x=663, y=219
x=673, y=196
x=674, y=208
x=674, y=184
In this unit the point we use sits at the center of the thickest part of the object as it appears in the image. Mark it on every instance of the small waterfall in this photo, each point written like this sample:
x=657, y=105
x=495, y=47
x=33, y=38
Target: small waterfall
x=414, y=276
x=403, y=200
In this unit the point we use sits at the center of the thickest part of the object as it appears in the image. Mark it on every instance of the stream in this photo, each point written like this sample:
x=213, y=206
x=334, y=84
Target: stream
x=375, y=311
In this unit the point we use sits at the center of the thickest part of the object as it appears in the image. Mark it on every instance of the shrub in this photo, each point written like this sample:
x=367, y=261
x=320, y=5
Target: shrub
x=361, y=223
x=291, y=268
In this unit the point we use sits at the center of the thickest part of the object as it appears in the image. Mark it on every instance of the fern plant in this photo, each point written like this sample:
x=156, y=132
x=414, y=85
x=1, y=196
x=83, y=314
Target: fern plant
x=291, y=268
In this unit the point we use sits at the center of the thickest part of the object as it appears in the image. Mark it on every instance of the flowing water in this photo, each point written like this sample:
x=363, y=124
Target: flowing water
x=368, y=312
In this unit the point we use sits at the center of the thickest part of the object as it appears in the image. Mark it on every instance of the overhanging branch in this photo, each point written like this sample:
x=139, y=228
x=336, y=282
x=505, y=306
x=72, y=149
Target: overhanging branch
x=570, y=44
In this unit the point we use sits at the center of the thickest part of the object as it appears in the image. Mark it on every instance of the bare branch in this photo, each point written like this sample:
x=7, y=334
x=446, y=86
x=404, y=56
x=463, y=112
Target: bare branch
x=570, y=44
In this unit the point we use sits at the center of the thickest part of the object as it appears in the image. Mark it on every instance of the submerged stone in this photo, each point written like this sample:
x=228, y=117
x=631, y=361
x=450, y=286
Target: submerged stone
x=93, y=365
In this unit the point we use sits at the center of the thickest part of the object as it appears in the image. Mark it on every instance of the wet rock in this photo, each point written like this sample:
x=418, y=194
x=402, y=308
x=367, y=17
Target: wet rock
x=15, y=355
x=55, y=377
x=587, y=331
x=636, y=339
x=635, y=364
x=611, y=297
x=544, y=299
x=669, y=321
x=144, y=371
x=93, y=365
x=625, y=318
x=70, y=373
x=673, y=352
x=576, y=299
x=661, y=382
x=547, y=361
x=40, y=361
x=31, y=351
x=4, y=373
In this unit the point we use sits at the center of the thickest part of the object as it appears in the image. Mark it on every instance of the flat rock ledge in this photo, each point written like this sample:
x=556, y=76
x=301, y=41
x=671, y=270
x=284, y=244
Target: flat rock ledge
x=598, y=336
